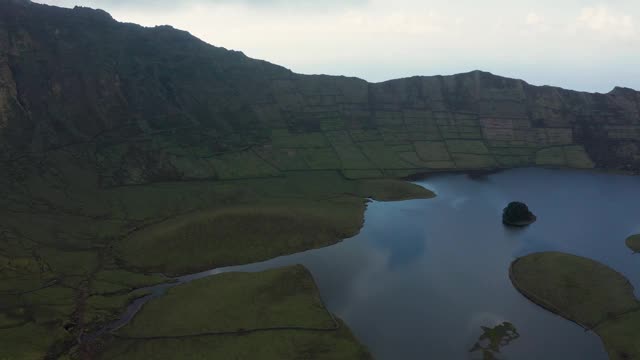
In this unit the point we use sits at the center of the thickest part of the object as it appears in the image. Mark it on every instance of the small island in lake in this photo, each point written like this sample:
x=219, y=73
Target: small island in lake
x=633, y=243
x=517, y=214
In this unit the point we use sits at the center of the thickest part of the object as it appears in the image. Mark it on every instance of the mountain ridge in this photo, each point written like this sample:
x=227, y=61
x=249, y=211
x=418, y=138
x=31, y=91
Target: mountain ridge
x=169, y=26
x=77, y=76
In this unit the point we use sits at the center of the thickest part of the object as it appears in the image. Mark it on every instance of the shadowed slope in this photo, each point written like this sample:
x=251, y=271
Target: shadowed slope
x=154, y=104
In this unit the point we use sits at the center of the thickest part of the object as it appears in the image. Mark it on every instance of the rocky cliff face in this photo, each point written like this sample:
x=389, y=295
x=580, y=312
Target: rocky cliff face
x=156, y=104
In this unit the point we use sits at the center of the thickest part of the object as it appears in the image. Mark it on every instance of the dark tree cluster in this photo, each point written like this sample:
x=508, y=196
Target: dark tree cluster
x=517, y=214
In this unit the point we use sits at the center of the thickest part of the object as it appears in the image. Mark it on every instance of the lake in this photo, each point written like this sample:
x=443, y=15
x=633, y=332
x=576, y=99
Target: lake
x=423, y=276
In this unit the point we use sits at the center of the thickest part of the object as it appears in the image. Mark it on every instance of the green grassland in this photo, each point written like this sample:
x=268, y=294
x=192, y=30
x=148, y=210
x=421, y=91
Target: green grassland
x=351, y=157
x=118, y=281
x=91, y=222
x=474, y=161
x=476, y=147
x=74, y=253
x=577, y=157
x=572, y=156
x=240, y=235
x=392, y=190
x=382, y=157
x=330, y=345
x=285, y=139
x=586, y=292
x=322, y=159
x=285, y=297
x=553, y=157
x=30, y=341
x=355, y=174
x=620, y=336
x=274, y=314
x=242, y=165
x=432, y=151
x=413, y=142
x=262, y=228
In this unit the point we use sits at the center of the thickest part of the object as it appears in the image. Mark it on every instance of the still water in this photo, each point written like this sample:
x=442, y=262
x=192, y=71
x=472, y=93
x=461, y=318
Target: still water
x=423, y=276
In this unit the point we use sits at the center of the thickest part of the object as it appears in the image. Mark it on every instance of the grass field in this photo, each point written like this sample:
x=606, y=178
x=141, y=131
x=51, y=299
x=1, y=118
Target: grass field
x=577, y=157
x=240, y=234
x=351, y=157
x=108, y=281
x=64, y=221
x=30, y=341
x=331, y=345
x=432, y=151
x=473, y=161
x=620, y=336
x=265, y=218
x=242, y=165
x=355, y=174
x=382, y=157
x=249, y=305
x=476, y=147
x=586, y=292
x=554, y=157
x=284, y=139
x=285, y=297
x=392, y=190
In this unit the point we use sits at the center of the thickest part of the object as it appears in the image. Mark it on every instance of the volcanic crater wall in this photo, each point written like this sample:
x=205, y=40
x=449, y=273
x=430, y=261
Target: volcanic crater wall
x=157, y=104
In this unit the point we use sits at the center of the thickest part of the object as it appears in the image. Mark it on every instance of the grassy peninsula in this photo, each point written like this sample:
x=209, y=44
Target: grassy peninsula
x=274, y=314
x=586, y=292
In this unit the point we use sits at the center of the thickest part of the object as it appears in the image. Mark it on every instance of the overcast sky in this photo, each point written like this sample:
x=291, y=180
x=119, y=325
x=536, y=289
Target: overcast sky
x=578, y=44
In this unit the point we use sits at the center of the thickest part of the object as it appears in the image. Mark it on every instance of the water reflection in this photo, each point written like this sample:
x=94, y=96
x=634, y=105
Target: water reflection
x=424, y=276
x=494, y=339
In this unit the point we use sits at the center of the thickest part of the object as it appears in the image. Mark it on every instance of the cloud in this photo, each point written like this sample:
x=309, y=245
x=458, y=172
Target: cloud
x=603, y=20
x=398, y=22
x=534, y=19
x=164, y=5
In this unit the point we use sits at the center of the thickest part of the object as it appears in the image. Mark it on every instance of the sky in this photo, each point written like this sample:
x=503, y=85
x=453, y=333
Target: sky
x=577, y=44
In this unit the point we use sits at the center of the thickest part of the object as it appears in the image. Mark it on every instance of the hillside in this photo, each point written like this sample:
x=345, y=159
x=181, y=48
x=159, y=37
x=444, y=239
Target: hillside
x=157, y=104
x=127, y=151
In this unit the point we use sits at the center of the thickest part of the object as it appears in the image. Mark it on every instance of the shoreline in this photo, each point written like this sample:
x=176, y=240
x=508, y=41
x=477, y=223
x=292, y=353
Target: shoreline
x=539, y=302
x=481, y=174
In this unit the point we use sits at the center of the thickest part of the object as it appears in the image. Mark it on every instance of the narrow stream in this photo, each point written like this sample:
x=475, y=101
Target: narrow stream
x=424, y=275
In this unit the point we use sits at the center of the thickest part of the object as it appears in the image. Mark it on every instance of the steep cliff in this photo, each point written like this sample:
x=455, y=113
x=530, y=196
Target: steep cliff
x=157, y=104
